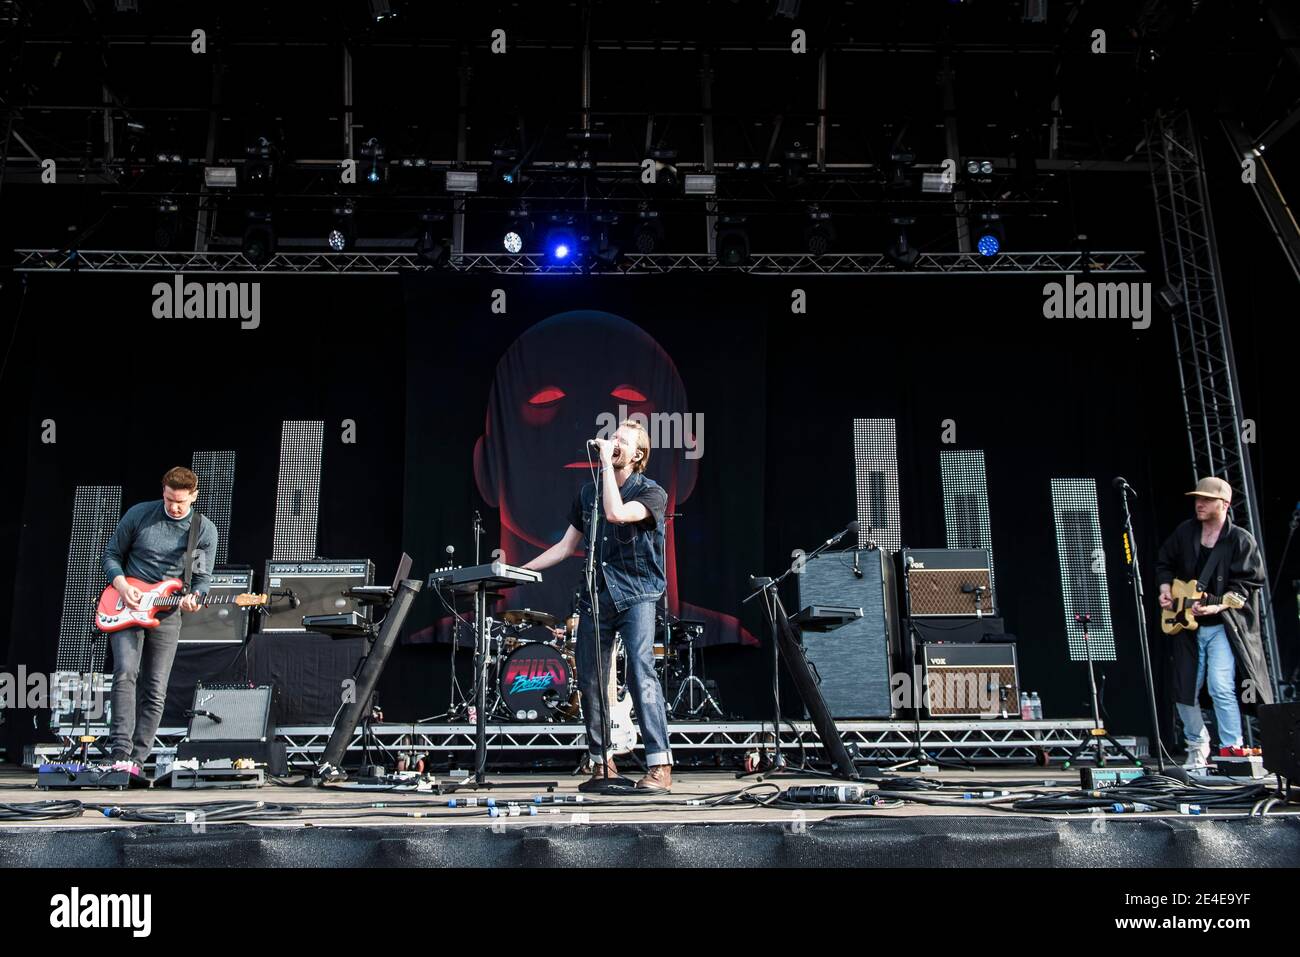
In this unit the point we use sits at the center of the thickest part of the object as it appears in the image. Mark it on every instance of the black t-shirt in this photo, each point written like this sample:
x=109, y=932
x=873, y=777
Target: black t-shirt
x=652, y=496
x=1203, y=559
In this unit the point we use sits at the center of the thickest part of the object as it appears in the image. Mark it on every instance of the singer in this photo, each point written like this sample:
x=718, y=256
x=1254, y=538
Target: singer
x=630, y=575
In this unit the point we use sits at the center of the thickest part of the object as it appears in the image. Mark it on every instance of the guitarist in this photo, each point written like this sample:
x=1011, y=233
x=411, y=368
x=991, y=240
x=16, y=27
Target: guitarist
x=150, y=543
x=1225, y=651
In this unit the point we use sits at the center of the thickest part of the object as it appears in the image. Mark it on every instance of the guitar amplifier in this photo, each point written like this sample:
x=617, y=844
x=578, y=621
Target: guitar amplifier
x=978, y=681
x=320, y=585
x=245, y=728
x=853, y=661
x=948, y=581
x=221, y=624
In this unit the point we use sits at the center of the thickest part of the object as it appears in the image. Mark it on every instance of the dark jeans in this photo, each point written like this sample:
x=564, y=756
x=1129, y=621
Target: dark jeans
x=636, y=626
x=142, y=663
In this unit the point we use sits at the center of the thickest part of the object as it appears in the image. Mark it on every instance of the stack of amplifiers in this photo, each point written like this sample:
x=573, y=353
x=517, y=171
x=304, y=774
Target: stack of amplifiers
x=948, y=582
x=971, y=680
x=221, y=624
x=320, y=585
x=854, y=661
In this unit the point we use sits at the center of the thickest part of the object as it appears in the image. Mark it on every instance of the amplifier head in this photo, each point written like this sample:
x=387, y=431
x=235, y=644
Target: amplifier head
x=221, y=624
x=319, y=586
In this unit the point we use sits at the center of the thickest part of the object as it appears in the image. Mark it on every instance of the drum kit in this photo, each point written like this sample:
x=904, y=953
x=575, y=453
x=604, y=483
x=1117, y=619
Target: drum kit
x=533, y=672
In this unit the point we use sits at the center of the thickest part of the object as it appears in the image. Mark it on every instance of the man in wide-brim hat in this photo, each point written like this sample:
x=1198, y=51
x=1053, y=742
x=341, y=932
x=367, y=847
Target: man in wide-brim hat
x=1224, y=653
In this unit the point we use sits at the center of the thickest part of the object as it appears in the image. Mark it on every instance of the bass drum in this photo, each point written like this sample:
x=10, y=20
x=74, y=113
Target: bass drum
x=534, y=680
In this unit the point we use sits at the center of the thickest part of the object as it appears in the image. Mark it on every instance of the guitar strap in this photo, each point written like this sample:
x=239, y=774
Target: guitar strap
x=1206, y=576
x=196, y=520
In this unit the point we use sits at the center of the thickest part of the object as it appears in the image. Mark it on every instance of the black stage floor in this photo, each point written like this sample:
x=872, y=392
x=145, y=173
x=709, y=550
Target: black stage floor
x=695, y=826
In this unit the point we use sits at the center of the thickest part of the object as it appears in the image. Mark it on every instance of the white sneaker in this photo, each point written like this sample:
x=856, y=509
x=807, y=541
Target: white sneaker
x=1198, y=756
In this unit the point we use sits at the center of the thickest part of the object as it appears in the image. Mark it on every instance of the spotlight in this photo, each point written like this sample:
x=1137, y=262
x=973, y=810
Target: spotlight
x=733, y=241
x=259, y=168
x=343, y=231
x=168, y=225
x=603, y=250
x=819, y=236
x=518, y=234
x=506, y=165
x=901, y=252
x=381, y=10
x=259, y=238
x=373, y=150
x=430, y=247
x=562, y=240
x=648, y=235
x=990, y=235
x=700, y=184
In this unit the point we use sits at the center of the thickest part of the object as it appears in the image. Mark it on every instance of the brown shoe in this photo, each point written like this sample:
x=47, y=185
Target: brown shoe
x=598, y=779
x=658, y=781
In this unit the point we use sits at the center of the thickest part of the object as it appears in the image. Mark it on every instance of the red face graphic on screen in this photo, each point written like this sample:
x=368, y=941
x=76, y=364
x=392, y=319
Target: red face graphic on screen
x=554, y=389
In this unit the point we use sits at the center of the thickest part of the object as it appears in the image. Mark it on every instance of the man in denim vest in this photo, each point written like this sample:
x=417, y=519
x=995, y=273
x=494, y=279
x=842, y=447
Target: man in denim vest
x=629, y=547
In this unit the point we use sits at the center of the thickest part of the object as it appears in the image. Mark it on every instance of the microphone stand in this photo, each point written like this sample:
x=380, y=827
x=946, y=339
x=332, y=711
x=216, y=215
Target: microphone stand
x=1134, y=573
x=779, y=623
x=617, y=784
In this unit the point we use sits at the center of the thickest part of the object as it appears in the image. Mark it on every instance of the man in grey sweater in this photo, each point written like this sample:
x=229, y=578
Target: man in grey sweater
x=149, y=544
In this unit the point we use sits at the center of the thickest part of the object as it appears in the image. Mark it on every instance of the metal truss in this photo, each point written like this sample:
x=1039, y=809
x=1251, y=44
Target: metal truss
x=988, y=742
x=504, y=264
x=1207, y=368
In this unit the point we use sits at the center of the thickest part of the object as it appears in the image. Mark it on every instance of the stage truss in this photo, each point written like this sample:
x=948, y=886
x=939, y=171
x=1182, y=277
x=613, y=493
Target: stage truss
x=363, y=263
x=995, y=741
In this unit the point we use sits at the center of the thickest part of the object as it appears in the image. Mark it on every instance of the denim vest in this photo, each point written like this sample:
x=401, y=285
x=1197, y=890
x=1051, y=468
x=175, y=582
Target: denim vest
x=629, y=557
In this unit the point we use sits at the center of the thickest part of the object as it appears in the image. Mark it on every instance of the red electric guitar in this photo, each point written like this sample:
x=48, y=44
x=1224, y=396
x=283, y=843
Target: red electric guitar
x=159, y=600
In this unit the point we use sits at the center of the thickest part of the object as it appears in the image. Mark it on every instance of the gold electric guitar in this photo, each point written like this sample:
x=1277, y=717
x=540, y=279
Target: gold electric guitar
x=1185, y=595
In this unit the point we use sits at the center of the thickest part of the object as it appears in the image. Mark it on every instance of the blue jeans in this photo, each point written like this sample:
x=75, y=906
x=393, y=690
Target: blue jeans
x=636, y=626
x=1214, y=662
x=142, y=663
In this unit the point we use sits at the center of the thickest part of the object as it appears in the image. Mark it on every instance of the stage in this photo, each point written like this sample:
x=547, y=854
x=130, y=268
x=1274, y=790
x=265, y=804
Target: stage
x=695, y=826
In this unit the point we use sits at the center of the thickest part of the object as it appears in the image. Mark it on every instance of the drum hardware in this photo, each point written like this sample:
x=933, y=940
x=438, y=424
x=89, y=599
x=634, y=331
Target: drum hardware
x=686, y=633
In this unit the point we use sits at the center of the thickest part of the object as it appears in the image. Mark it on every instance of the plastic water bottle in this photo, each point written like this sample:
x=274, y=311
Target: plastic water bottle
x=1026, y=711
x=1036, y=706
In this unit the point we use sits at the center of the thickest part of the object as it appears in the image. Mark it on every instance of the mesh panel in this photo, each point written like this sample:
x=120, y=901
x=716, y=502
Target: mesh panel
x=875, y=455
x=1083, y=567
x=95, y=512
x=216, y=472
x=297, y=499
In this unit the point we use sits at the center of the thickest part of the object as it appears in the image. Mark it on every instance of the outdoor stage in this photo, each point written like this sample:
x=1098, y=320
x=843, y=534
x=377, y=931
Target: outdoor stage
x=710, y=820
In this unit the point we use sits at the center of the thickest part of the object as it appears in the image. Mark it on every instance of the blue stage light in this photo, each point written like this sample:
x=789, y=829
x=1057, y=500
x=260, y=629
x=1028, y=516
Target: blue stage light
x=988, y=245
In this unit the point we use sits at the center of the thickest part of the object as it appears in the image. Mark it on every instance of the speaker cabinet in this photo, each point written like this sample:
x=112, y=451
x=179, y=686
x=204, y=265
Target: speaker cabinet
x=221, y=624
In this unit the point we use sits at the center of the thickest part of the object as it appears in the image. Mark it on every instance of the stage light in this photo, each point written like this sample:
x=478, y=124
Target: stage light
x=343, y=231
x=700, y=184
x=259, y=168
x=935, y=183
x=990, y=236
x=220, y=177
x=733, y=241
x=259, y=238
x=168, y=226
x=430, y=246
x=381, y=10
x=562, y=241
x=373, y=150
x=902, y=252
x=819, y=235
x=648, y=235
x=513, y=242
x=462, y=181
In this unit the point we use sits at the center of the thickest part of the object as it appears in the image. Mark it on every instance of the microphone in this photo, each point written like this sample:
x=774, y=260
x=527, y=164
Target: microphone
x=294, y=600
x=1122, y=484
x=848, y=529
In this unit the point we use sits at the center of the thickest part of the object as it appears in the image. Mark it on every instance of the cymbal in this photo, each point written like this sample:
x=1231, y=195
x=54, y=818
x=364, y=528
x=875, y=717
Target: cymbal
x=526, y=616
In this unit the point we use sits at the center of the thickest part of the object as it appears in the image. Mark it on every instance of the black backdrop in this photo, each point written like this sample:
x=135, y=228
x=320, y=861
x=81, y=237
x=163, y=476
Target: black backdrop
x=412, y=363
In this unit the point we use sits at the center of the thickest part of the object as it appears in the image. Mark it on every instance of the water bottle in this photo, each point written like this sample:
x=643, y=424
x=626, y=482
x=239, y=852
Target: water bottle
x=1026, y=712
x=1036, y=706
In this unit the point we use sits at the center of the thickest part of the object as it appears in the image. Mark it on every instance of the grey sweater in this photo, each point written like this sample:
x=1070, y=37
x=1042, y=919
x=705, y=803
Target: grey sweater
x=150, y=545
